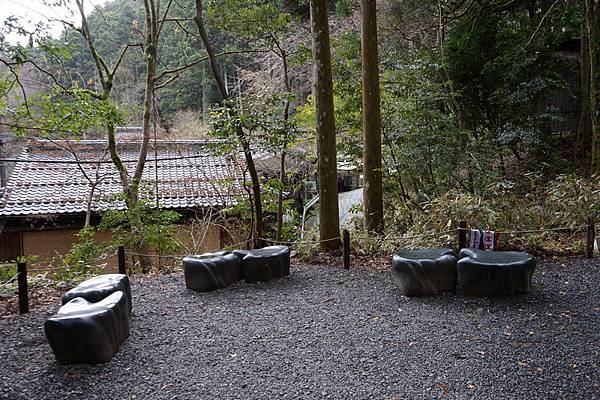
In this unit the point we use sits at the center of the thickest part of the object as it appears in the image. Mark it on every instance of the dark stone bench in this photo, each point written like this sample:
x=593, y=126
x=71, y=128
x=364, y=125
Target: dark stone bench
x=211, y=271
x=100, y=287
x=261, y=265
x=425, y=271
x=82, y=332
x=502, y=273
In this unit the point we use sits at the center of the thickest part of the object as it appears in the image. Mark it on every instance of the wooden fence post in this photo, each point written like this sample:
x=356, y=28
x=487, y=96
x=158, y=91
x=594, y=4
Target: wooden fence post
x=22, y=284
x=121, y=258
x=591, y=237
x=462, y=235
x=346, y=236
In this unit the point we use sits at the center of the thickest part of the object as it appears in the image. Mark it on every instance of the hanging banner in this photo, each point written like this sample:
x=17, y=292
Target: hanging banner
x=475, y=238
x=489, y=240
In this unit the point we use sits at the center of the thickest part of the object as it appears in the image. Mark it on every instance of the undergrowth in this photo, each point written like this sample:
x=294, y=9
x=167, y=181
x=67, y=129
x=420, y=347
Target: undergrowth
x=530, y=205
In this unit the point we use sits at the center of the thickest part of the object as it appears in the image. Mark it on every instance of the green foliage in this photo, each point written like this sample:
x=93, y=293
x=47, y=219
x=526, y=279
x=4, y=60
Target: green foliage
x=119, y=23
x=79, y=262
x=60, y=114
x=346, y=71
x=564, y=202
x=305, y=115
x=142, y=223
x=268, y=131
x=6, y=85
x=7, y=272
x=423, y=139
x=261, y=117
x=8, y=275
x=151, y=226
x=464, y=109
x=502, y=72
x=250, y=19
x=75, y=113
x=344, y=8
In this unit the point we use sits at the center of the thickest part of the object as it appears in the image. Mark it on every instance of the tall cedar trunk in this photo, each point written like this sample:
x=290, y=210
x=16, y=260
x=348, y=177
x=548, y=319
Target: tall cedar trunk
x=329, y=219
x=373, y=191
x=593, y=12
x=216, y=70
x=584, y=131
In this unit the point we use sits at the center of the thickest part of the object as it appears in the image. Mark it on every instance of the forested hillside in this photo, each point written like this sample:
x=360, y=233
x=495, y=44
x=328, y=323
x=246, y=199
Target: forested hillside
x=486, y=106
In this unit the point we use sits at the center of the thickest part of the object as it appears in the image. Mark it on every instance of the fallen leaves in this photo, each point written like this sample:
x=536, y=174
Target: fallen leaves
x=444, y=389
x=566, y=314
x=522, y=364
x=38, y=296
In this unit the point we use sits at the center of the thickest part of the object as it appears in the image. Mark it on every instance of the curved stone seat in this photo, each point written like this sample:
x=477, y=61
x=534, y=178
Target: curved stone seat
x=502, y=273
x=261, y=265
x=99, y=287
x=211, y=271
x=82, y=332
x=425, y=271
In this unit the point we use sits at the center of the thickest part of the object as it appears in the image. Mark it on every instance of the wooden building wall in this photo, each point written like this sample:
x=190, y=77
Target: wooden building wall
x=47, y=244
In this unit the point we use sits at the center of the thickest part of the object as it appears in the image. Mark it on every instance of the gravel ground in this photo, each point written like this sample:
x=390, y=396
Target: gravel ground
x=326, y=333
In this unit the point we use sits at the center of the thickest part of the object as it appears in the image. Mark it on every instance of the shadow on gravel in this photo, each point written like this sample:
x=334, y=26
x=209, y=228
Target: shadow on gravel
x=280, y=285
x=538, y=297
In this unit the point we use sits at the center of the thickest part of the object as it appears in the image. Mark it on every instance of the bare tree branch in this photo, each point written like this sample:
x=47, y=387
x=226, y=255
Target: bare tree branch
x=162, y=21
x=541, y=23
x=18, y=81
x=202, y=59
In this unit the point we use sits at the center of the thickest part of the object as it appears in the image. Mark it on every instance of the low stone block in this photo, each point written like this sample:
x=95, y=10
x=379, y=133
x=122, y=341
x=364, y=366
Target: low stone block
x=211, y=271
x=82, y=332
x=425, y=271
x=502, y=273
x=261, y=265
x=100, y=287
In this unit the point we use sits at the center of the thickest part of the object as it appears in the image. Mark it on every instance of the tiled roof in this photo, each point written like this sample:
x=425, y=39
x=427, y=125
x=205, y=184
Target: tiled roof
x=187, y=173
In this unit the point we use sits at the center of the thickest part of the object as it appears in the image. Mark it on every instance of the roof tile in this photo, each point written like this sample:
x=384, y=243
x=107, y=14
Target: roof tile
x=186, y=174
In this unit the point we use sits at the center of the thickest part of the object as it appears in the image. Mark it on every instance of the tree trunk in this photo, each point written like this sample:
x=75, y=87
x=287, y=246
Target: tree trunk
x=216, y=70
x=210, y=93
x=106, y=77
x=329, y=220
x=88, y=207
x=373, y=190
x=116, y=159
x=593, y=19
x=150, y=51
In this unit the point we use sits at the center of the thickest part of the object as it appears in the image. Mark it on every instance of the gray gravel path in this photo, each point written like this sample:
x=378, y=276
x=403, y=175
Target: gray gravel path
x=327, y=333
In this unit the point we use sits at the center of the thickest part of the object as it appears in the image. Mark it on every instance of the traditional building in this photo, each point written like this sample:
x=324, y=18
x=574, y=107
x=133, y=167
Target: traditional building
x=53, y=184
